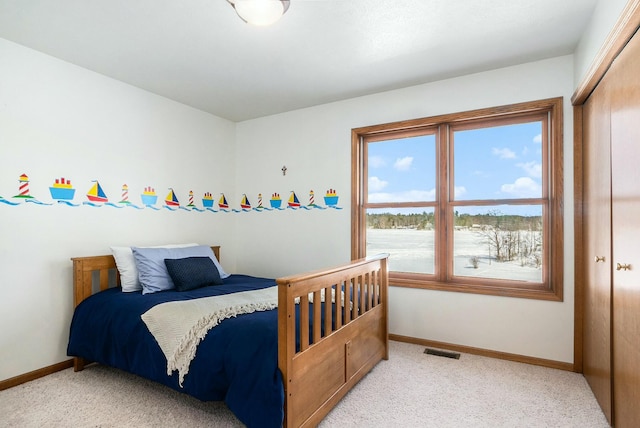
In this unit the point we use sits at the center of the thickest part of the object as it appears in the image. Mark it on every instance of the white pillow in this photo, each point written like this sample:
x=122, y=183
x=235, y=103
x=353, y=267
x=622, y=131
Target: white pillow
x=126, y=264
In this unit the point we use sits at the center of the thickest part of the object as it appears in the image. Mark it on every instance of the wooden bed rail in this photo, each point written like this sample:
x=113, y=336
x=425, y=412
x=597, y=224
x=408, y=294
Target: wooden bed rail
x=349, y=334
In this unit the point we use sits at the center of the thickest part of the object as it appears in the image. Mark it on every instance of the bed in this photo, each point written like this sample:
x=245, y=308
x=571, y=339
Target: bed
x=268, y=370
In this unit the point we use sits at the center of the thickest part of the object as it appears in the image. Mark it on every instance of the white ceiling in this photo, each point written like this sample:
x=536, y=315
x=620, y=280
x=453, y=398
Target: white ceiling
x=200, y=53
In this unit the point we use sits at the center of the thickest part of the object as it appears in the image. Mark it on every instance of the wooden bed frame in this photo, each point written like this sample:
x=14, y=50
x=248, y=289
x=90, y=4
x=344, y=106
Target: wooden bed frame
x=328, y=364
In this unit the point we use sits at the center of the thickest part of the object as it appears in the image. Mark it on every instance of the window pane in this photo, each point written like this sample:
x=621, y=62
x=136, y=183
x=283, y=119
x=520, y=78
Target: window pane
x=406, y=234
x=502, y=242
x=501, y=162
x=402, y=170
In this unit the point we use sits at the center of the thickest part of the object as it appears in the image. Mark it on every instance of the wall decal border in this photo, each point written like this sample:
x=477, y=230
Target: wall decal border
x=62, y=191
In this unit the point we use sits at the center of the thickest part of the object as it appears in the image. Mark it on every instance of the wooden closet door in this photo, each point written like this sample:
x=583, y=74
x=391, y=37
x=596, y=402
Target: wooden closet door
x=597, y=250
x=625, y=161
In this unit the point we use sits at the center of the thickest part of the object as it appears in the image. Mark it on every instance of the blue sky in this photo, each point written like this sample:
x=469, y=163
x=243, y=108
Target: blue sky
x=501, y=162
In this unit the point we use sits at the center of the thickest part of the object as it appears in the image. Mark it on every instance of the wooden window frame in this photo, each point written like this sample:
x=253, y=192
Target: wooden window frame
x=548, y=110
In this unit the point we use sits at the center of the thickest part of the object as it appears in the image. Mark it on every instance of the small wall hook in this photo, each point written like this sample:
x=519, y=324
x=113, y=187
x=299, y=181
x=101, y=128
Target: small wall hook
x=284, y=170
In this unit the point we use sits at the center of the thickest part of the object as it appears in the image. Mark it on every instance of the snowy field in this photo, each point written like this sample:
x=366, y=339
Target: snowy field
x=413, y=251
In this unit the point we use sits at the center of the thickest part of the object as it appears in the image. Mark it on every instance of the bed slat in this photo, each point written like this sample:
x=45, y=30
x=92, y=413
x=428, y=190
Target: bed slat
x=327, y=311
x=304, y=321
x=317, y=314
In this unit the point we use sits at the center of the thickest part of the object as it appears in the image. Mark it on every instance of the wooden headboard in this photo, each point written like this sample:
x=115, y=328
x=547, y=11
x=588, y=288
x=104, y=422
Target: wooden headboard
x=85, y=267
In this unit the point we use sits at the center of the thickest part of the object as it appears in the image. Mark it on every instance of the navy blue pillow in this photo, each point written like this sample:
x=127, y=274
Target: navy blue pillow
x=193, y=272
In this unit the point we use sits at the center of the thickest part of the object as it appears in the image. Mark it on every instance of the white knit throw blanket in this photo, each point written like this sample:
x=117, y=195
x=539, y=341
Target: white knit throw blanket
x=178, y=327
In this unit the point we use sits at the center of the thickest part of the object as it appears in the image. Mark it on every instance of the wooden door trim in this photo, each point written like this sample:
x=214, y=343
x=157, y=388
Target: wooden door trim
x=578, y=199
x=620, y=34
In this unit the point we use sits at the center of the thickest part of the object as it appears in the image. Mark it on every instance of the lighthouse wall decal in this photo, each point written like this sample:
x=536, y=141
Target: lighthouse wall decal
x=62, y=191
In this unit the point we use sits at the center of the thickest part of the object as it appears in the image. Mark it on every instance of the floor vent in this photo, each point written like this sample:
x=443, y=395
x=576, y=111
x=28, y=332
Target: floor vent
x=439, y=353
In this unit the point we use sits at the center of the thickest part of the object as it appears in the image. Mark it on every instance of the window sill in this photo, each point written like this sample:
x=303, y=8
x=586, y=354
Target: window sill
x=531, y=292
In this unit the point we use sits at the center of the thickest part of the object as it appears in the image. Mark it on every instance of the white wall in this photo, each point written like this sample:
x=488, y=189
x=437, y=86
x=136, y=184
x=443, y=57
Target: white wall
x=315, y=146
x=602, y=21
x=57, y=120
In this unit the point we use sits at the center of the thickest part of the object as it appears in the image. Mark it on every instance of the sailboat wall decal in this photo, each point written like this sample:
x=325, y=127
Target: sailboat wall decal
x=245, y=204
x=96, y=194
x=222, y=203
x=171, y=200
x=294, y=202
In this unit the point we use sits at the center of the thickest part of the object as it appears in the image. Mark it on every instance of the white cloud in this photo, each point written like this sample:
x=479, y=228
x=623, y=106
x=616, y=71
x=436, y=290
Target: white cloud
x=403, y=164
x=376, y=162
x=459, y=191
x=406, y=196
x=504, y=153
x=375, y=184
x=533, y=169
x=523, y=187
x=537, y=139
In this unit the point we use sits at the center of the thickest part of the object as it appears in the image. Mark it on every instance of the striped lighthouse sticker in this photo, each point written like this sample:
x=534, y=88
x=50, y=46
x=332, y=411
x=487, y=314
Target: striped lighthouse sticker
x=23, y=187
x=125, y=194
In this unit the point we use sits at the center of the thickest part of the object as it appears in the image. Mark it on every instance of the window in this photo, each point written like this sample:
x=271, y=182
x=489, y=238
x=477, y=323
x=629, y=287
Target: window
x=467, y=202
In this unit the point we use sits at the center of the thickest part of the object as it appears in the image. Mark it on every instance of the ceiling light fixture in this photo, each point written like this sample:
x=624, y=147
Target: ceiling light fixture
x=260, y=12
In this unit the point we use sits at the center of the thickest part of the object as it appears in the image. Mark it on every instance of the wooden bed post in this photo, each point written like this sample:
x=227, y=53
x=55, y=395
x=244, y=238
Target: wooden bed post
x=384, y=299
x=286, y=343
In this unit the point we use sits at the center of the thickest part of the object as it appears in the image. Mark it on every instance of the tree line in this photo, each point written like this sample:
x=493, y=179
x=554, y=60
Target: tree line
x=426, y=221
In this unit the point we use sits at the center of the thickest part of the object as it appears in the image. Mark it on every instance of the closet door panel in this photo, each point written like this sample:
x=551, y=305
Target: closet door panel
x=597, y=251
x=625, y=159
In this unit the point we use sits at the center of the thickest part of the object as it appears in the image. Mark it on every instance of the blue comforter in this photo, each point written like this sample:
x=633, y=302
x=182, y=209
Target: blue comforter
x=236, y=362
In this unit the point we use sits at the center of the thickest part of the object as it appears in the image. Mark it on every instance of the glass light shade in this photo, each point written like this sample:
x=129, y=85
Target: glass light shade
x=260, y=12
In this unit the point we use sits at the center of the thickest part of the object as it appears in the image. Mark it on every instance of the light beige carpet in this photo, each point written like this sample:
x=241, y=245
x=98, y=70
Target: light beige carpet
x=412, y=389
